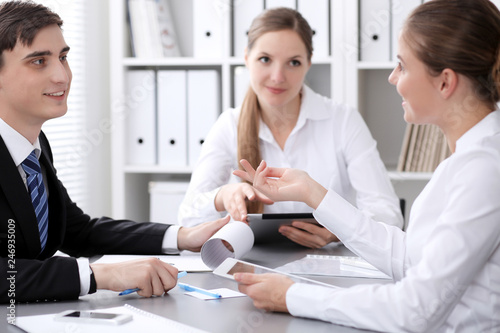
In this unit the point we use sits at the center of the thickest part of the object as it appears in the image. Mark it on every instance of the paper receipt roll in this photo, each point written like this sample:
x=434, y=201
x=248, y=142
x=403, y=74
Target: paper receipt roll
x=237, y=234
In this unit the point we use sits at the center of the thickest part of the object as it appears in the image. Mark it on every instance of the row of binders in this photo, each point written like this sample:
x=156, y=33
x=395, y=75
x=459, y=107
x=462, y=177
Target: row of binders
x=424, y=147
x=170, y=112
x=317, y=14
x=153, y=32
x=380, y=24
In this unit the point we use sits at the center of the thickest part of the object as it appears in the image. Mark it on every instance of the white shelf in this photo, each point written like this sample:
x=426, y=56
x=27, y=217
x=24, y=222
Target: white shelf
x=177, y=61
x=157, y=169
x=314, y=61
x=409, y=176
x=376, y=65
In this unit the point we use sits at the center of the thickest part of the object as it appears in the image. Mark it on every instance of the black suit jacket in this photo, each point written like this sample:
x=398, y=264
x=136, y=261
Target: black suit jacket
x=39, y=276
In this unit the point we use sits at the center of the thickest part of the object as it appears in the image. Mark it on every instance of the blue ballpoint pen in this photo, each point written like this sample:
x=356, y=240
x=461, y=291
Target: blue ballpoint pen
x=188, y=287
x=130, y=291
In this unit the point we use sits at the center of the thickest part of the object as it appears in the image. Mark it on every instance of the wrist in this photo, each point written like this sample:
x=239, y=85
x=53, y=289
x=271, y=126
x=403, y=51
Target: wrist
x=98, y=273
x=316, y=194
x=218, y=201
x=93, y=283
x=181, y=235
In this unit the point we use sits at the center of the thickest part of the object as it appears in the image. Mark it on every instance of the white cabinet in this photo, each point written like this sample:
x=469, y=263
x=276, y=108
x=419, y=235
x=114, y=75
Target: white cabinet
x=336, y=72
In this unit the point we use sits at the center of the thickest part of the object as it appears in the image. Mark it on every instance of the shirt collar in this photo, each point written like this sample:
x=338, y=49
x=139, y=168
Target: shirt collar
x=18, y=146
x=312, y=107
x=488, y=126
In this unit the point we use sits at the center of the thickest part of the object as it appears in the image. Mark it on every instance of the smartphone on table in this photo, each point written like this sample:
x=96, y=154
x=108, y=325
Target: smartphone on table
x=93, y=317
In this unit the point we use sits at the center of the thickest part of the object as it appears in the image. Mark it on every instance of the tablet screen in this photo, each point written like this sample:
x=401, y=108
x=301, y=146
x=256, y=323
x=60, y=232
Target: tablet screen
x=265, y=226
x=231, y=266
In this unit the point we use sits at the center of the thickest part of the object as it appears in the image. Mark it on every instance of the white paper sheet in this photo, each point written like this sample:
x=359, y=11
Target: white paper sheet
x=237, y=234
x=142, y=322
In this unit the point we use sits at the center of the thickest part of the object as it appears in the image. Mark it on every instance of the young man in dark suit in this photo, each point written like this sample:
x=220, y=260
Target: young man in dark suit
x=37, y=217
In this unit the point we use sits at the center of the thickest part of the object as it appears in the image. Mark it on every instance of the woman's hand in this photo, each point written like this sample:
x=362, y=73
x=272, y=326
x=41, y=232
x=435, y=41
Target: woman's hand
x=268, y=291
x=308, y=234
x=231, y=198
x=281, y=184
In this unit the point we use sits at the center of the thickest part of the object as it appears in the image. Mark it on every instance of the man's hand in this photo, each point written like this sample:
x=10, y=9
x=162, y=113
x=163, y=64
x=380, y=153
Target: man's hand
x=193, y=238
x=152, y=276
x=268, y=291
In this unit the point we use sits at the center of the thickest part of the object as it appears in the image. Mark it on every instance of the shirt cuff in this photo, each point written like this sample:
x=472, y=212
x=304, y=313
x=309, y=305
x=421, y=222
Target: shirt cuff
x=84, y=271
x=342, y=220
x=210, y=207
x=309, y=301
x=169, y=245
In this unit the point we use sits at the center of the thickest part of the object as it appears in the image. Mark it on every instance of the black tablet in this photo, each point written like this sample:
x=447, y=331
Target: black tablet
x=265, y=226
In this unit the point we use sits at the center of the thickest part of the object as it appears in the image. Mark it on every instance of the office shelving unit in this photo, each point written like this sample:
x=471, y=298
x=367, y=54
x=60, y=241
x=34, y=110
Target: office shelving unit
x=340, y=76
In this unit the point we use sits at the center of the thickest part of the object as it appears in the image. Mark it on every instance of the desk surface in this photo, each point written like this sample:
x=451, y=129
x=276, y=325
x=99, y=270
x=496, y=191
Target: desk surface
x=226, y=315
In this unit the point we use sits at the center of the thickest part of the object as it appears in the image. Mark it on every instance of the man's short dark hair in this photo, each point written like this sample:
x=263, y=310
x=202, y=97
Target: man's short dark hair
x=21, y=21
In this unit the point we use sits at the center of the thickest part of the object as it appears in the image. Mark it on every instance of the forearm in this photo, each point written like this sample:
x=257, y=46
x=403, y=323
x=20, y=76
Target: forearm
x=56, y=278
x=108, y=236
x=380, y=244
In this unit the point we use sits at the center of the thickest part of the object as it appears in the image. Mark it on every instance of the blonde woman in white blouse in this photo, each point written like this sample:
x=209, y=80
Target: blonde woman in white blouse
x=446, y=266
x=286, y=123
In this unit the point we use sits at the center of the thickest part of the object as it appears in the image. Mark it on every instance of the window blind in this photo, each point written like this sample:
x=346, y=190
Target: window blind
x=66, y=134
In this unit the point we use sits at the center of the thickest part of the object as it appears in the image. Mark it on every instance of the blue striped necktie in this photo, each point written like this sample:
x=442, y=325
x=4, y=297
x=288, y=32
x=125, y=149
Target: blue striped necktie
x=34, y=180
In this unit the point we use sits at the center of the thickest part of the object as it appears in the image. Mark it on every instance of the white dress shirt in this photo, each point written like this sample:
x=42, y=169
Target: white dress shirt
x=446, y=266
x=330, y=141
x=19, y=148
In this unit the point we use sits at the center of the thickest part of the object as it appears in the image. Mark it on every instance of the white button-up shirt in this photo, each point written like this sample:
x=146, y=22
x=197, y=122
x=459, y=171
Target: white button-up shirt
x=330, y=141
x=446, y=266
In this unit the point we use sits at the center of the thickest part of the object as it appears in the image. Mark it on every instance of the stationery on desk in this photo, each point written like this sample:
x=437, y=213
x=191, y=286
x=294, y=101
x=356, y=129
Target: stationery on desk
x=187, y=287
x=209, y=294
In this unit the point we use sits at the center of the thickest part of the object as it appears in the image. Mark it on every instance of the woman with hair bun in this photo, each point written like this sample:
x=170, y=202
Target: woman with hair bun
x=446, y=265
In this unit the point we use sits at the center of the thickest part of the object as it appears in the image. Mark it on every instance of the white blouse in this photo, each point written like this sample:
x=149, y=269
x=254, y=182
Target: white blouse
x=446, y=266
x=330, y=141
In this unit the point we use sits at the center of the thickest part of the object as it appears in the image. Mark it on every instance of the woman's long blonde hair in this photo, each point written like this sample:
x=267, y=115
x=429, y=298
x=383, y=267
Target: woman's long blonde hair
x=248, y=125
